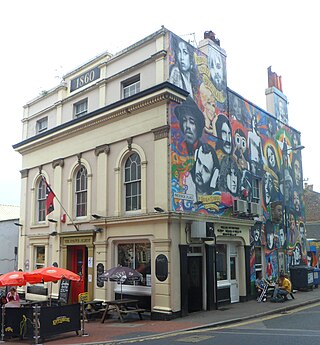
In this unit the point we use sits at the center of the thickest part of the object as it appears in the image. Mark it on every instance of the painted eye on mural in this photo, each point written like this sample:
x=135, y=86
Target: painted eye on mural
x=238, y=140
x=243, y=143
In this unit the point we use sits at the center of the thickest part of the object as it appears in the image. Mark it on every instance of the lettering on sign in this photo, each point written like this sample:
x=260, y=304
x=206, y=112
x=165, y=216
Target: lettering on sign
x=77, y=240
x=85, y=79
x=226, y=230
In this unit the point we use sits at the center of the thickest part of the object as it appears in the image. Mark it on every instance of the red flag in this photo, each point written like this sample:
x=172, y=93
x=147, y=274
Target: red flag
x=50, y=196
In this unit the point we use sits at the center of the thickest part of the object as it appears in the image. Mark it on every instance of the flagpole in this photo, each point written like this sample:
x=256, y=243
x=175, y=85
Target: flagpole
x=71, y=220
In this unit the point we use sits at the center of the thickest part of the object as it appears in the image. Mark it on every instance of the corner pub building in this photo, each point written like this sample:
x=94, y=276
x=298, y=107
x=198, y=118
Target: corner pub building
x=156, y=164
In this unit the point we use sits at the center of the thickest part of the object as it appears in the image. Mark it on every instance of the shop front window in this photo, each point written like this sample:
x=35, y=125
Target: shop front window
x=138, y=257
x=221, y=251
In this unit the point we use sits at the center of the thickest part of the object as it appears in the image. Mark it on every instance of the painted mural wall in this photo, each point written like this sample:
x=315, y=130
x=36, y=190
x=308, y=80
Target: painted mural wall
x=224, y=148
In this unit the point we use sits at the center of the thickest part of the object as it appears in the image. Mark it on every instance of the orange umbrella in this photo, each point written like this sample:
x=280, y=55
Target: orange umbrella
x=52, y=274
x=19, y=278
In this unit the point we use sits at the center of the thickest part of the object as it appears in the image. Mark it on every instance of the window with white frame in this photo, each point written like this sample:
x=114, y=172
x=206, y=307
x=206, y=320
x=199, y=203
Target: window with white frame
x=41, y=201
x=255, y=189
x=131, y=86
x=80, y=108
x=81, y=191
x=39, y=257
x=136, y=256
x=42, y=125
x=132, y=182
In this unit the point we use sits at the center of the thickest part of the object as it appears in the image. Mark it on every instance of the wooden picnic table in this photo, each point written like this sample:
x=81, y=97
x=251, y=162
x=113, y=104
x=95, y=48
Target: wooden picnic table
x=122, y=307
x=92, y=308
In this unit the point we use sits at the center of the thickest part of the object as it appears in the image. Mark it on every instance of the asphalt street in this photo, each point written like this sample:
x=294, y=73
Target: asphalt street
x=295, y=327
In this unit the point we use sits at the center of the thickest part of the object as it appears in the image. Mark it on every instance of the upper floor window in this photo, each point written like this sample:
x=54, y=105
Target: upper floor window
x=81, y=191
x=255, y=189
x=80, y=108
x=42, y=125
x=41, y=201
x=131, y=86
x=132, y=181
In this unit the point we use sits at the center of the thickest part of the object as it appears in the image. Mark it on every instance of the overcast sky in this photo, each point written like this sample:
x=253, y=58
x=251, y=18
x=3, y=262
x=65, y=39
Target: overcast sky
x=42, y=40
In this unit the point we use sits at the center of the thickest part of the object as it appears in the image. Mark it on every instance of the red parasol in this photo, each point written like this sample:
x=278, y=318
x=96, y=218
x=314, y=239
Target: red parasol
x=52, y=274
x=19, y=278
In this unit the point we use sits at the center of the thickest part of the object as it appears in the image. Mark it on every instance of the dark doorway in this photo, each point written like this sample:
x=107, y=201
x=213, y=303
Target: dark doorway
x=194, y=283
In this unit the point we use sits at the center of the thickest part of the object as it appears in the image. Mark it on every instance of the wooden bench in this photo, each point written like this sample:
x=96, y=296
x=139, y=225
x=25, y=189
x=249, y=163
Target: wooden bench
x=93, y=308
x=130, y=311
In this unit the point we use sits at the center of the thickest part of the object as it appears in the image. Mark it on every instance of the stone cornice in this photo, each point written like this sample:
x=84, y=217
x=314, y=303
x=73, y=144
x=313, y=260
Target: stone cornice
x=103, y=116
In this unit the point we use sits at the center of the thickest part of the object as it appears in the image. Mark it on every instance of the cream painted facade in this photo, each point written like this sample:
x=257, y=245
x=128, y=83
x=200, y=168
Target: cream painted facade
x=101, y=140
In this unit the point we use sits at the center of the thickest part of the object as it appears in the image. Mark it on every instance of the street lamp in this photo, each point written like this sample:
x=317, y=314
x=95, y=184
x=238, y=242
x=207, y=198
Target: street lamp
x=97, y=217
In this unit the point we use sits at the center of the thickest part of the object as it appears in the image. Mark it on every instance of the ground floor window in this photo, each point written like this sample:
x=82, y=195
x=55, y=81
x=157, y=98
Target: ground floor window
x=39, y=257
x=137, y=256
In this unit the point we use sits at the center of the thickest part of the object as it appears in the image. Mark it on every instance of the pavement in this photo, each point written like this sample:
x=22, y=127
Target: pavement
x=112, y=330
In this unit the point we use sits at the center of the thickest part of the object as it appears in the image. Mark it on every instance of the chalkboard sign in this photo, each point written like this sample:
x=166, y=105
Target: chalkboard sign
x=64, y=291
x=161, y=267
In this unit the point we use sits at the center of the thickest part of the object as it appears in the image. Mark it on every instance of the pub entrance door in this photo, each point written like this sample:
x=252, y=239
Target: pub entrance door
x=194, y=283
x=78, y=263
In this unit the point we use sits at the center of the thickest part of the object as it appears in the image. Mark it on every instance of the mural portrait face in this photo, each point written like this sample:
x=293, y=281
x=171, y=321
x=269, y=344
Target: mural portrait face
x=296, y=255
x=191, y=121
x=224, y=134
x=268, y=187
x=189, y=128
x=276, y=212
x=240, y=141
x=256, y=234
x=215, y=65
x=184, y=57
x=282, y=111
x=297, y=172
x=271, y=157
x=282, y=237
x=301, y=231
x=232, y=181
x=236, y=108
x=270, y=234
x=296, y=201
x=206, y=167
x=209, y=106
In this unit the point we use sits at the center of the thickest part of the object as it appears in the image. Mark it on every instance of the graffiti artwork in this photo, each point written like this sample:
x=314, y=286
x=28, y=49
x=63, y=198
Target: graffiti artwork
x=225, y=148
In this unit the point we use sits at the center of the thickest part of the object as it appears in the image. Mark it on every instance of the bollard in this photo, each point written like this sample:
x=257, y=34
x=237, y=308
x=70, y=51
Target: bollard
x=83, y=333
x=36, y=323
x=2, y=323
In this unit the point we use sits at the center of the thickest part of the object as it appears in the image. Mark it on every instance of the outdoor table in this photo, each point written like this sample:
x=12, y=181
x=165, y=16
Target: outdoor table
x=93, y=308
x=122, y=307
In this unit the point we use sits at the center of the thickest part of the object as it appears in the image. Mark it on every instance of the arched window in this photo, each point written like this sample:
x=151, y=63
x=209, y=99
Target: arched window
x=81, y=191
x=41, y=201
x=132, y=182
